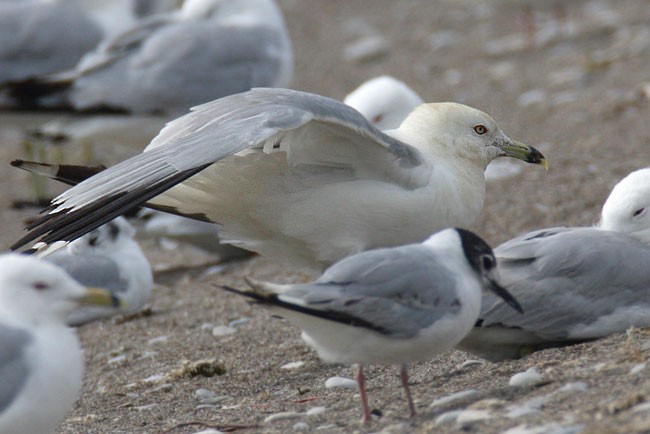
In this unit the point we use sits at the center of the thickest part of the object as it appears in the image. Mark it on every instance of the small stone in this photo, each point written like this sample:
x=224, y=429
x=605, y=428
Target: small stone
x=341, y=382
x=147, y=407
x=472, y=362
x=209, y=431
x=448, y=417
x=326, y=427
x=641, y=407
x=577, y=386
x=453, y=397
x=153, y=378
x=204, y=393
x=467, y=417
x=282, y=416
x=301, y=427
x=158, y=340
x=531, y=97
x=315, y=411
x=637, y=368
x=551, y=428
x=527, y=378
x=117, y=359
x=292, y=365
x=223, y=331
x=238, y=322
x=366, y=48
x=533, y=405
x=167, y=387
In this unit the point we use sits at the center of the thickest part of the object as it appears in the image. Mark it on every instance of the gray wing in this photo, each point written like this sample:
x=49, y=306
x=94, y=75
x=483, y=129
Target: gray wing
x=397, y=292
x=575, y=283
x=311, y=129
x=38, y=38
x=91, y=270
x=207, y=63
x=14, y=367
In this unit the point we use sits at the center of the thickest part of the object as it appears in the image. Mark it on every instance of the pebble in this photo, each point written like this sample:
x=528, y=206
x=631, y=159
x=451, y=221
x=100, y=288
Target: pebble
x=527, y=378
x=293, y=365
x=282, y=416
x=637, y=368
x=644, y=406
x=326, y=427
x=340, y=382
x=472, y=362
x=166, y=387
x=315, y=411
x=147, y=407
x=366, y=48
x=152, y=378
x=223, y=331
x=453, y=397
x=534, y=96
x=158, y=340
x=117, y=359
x=238, y=322
x=209, y=431
x=467, y=417
x=533, y=405
x=301, y=427
x=551, y=428
x=577, y=386
x=448, y=417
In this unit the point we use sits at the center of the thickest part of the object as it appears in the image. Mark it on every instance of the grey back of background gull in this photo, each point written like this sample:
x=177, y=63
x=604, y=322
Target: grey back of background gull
x=14, y=368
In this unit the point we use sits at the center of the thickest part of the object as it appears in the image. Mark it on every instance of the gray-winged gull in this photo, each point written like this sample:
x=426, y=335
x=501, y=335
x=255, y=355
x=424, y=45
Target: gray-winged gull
x=40, y=37
x=298, y=176
x=108, y=258
x=41, y=363
x=575, y=284
x=390, y=306
x=167, y=63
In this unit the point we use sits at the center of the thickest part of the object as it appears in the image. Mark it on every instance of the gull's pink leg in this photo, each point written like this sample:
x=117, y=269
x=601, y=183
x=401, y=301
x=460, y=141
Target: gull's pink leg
x=361, y=382
x=403, y=374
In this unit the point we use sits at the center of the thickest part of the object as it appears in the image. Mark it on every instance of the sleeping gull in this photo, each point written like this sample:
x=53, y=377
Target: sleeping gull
x=576, y=284
x=298, y=176
x=384, y=101
x=390, y=306
x=39, y=37
x=168, y=63
x=109, y=258
x=41, y=363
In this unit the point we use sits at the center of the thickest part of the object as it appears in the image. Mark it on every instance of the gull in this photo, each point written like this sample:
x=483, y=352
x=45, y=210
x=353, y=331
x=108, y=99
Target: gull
x=39, y=37
x=576, y=284
x=41, y=363
x=167, y=63
x=384, y=101
x=109, y=258
x=298, y=176
x=390, y=306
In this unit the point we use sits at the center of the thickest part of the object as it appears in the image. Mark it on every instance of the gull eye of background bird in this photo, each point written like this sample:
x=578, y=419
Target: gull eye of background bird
x=390, y=306
x=576, y=284
x=41, y=363
x=298, y=176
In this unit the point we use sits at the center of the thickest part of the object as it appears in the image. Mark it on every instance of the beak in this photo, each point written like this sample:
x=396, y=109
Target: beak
x=100, y=297
x=518, y=150
x=504, y=294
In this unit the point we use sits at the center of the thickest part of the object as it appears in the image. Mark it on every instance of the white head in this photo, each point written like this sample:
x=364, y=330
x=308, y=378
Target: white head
x=106, y=239
x=39, y=292
x=627, y=208
x=384, y=101
x=452, y=130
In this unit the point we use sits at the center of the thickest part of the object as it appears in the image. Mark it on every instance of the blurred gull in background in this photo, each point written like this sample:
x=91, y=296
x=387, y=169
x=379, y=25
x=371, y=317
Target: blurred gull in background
x=41, y=363
x=109, y=258
x=575, y=284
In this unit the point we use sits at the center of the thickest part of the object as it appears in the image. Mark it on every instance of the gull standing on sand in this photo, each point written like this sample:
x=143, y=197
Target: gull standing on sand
x=170, y=62
x=41, y=363
x=298, y=176
x=575, y=284
x=390, y=306
x=109, y=258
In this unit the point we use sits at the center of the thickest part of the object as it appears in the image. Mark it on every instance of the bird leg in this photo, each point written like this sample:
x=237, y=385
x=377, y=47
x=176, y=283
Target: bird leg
x=404, y=376
x=361, y=382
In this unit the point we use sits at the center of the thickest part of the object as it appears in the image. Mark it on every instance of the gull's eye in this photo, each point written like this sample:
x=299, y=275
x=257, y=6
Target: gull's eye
x=638, y=212
x=488, y=262
x=40, y=286
x=480, y=129
x=378, y=118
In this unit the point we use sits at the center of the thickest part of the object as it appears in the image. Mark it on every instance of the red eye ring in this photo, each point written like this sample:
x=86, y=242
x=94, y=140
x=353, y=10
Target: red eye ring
x=480, y=129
